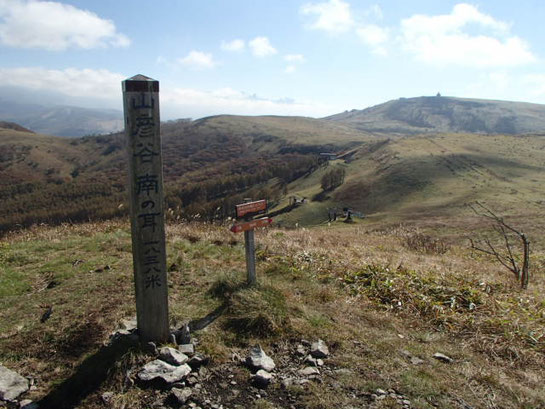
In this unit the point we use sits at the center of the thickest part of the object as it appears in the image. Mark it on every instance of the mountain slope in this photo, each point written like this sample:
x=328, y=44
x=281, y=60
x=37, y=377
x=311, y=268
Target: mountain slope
x=65, y=121
x=447, y=114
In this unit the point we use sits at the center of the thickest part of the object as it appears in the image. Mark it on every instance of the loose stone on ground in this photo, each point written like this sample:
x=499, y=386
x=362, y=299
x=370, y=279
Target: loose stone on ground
x=11, y=384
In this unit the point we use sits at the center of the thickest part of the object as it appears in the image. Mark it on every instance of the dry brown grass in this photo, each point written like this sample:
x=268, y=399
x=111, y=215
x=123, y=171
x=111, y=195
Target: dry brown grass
x=357, y=287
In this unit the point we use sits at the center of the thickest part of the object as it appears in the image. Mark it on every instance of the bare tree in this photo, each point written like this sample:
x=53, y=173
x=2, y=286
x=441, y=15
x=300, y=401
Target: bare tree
x=505, y=255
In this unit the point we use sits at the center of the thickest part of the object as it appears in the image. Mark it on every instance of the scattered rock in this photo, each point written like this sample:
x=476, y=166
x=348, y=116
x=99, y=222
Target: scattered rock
x=443, y=358
x=187, y=349
x=197, y=361
x=129, y=325
x=181, y=396
x=286, y=383
x=258, y=359
x=311, y=360
x=172, y=356
x=416, y=360
x=151, y=348
x=309, y=370
x=301, y=350
x=28, y=404
x=262, y=378
x=381, y=392
x=173, y=339
x=161, y=370
x=107, y=397
x=11, y=384
x=183, y=335
x=319, y=349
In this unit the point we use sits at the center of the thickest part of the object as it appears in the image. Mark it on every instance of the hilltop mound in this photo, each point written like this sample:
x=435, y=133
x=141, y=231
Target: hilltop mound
x=447, y=114
x=13, y=126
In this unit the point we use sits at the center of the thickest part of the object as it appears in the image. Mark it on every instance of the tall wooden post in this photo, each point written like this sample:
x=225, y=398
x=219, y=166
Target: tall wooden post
x=141, y=107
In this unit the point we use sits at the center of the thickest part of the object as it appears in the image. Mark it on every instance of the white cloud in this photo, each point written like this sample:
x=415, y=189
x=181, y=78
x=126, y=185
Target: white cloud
x=333, y=16
x=295, y=58
x=261, y=47
x=235, y=45
x=198, y=60
x=447, y=39
x=176, y=102
x=101, y=84
x=184, y=102
x=290, y=69
x=55, y=26
x=375, y=37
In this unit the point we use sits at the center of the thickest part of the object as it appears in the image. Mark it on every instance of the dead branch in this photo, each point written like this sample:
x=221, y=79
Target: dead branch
x=504, y=256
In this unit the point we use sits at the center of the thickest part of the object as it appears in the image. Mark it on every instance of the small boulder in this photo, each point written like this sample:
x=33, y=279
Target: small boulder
x=319, y=349
x=187, y=349
x=262, y=378
x=258, y=359
x=180, y=396
x=308, y=371
x=311, y=360
x=172, y=356
x=197, y=361
x=11, y=384
x=161, y=370
x=28, y=404
x=443, y=358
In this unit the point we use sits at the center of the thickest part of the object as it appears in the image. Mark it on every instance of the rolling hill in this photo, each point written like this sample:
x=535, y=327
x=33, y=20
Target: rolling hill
x=211, y=163
x=446, y=114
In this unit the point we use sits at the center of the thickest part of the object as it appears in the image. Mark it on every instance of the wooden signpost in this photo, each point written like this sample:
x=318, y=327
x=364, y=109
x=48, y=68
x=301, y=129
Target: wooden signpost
x=247, y=211
x=141, y=108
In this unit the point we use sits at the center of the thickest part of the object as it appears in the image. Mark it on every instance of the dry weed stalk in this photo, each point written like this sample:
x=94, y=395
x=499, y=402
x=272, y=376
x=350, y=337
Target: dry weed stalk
x=505, y=257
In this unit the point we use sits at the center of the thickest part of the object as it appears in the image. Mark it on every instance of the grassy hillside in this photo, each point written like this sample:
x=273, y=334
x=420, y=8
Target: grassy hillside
x=447, y=114
x=383, y=308
x=425, y=177
x=208, y=164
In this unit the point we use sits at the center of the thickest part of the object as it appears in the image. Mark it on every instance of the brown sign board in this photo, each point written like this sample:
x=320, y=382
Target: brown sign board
x=263, y=222
x=251, y=208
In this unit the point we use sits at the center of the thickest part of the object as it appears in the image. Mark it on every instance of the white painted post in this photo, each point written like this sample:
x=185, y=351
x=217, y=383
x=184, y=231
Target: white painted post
x=141, y=107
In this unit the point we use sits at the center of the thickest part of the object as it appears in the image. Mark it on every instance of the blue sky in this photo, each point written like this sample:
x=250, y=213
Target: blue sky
x=309, y=57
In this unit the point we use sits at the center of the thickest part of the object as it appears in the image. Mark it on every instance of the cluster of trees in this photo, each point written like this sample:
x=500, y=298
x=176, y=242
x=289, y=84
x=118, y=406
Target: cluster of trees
x=205, y=177
x=333, y=178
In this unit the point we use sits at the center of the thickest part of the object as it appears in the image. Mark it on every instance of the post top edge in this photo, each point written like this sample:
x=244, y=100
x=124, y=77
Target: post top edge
x=140, y=77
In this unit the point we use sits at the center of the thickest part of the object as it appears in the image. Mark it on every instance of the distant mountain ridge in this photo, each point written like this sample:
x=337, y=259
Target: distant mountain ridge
x=13, y=126
x=64, y=121
x=447, y=114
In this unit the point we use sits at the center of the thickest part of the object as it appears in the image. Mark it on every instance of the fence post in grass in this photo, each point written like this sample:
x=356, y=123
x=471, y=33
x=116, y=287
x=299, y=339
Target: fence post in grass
x=141, y=109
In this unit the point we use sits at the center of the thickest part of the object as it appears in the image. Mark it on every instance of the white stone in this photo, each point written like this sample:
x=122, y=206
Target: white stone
x=162, y=370
x=309, y=370
x=181, y=395
x=187, y=349
x=11, y=384
x=172, y=356
x=258, y=359
x=443, y=358
x=319, y=349
x=263, y=378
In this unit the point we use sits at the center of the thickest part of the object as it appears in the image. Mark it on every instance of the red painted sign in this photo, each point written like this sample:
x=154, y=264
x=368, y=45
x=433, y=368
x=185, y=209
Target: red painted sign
x=263, y=222
x=257, y=207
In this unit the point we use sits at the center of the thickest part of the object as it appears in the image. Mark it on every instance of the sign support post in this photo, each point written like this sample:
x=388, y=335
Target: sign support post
x=141, y=110
x=249, y=244
x=247, y=211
